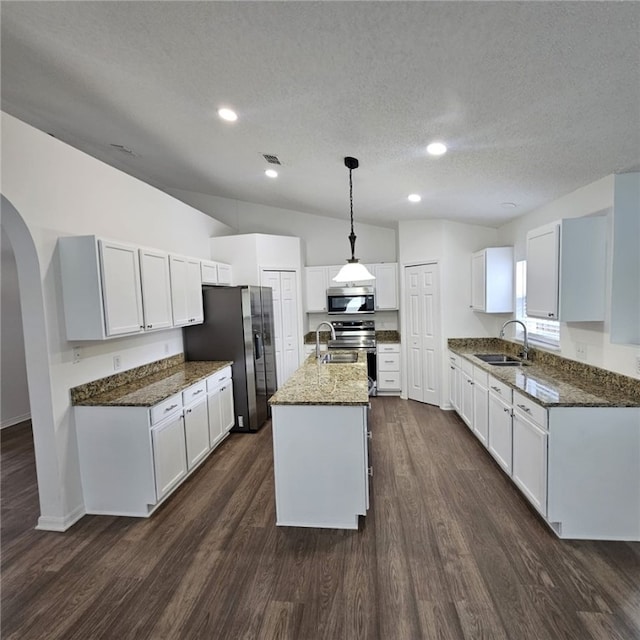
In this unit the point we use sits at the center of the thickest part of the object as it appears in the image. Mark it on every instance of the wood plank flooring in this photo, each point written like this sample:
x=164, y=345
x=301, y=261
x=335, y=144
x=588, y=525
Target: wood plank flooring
x=450, y=551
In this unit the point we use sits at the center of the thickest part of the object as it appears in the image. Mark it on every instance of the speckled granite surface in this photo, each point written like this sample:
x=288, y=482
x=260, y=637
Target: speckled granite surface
x=313, y=383
x=145, y=391
x=381, y=336
x=387, y=336
x=551, y=380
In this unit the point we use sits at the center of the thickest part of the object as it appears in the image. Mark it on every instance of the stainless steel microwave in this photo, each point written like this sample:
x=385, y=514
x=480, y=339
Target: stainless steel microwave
x=347, y=300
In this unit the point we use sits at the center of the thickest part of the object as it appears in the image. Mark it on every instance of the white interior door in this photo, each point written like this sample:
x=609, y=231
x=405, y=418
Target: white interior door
x=289, y=303
x=284, y=285
x=423, y=309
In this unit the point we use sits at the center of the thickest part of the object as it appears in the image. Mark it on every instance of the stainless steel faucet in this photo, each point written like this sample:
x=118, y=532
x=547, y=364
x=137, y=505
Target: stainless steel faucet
x=525, y=345
x=333, y=336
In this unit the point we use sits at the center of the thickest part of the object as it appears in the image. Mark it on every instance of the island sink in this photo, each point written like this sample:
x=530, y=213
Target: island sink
x=339, y=357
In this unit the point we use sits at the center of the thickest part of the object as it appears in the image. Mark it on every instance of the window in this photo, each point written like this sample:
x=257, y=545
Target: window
x=545, y=332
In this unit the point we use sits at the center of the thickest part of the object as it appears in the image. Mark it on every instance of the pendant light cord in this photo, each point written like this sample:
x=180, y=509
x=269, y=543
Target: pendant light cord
x=352, y=235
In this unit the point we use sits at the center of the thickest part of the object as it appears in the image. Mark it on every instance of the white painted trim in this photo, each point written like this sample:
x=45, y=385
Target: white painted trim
x=9, y=422
x=53, y=523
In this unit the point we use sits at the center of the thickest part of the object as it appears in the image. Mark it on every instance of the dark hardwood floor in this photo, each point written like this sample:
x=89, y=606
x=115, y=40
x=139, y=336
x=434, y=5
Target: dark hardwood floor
x=449, y=550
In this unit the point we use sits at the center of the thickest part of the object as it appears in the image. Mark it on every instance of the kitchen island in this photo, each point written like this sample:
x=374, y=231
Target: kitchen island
x=320, y=445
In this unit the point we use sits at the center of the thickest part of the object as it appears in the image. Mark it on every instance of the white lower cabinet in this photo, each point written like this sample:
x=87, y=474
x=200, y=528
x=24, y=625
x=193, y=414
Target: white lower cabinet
x=500, y=431
x=220, y=404
x=169, y=454
x=466, y=398
x=132, y=458
x=388, y=365
x=480, y=406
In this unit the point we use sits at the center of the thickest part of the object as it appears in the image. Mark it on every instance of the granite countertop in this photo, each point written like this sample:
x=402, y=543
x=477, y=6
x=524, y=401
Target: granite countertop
x=556, y=382
x=326, y=384
x=151, y=389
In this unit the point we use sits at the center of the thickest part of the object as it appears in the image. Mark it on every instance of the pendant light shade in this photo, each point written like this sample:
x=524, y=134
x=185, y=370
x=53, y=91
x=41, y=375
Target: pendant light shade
x=352, y=271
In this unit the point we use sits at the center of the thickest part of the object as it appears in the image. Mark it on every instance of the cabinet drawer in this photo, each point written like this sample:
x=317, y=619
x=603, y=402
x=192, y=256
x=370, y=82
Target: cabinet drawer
x=531, y=409
x=480, y=376
x=500, y=389
x=194, y=392
x=467, y=367
x=389, y=380
x=217, y=379
x=454, y=359
x=389, y=362
x=165, y=408
x=388, y=348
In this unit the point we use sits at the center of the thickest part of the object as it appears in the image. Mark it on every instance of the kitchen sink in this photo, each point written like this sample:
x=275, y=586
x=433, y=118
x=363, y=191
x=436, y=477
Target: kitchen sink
x=341, y=357
x=500, y=359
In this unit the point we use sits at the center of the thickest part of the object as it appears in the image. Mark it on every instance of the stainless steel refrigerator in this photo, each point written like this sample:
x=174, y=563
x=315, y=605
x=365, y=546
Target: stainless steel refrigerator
x=238, y=326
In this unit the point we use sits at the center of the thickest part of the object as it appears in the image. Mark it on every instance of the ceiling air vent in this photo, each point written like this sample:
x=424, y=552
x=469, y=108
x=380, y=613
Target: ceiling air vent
x=271, y=159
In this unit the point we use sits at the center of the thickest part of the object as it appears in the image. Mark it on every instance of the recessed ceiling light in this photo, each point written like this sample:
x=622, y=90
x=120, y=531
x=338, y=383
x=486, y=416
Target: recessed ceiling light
x=414, y=197
x=271, y=173
x=228, y=114
x=436, y=149
x=509, y=205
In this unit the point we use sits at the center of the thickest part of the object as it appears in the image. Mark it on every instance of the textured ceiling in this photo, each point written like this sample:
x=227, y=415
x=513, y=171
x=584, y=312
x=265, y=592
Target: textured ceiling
x=534, y=99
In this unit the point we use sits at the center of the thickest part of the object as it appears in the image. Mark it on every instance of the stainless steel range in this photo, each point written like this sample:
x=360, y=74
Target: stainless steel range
x=356, y=335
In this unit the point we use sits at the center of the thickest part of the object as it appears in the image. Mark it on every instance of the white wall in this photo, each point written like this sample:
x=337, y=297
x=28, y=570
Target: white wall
x=61, y=191
x=325, y=239
x=593, y=199
x=14, y=394
x=451, y=244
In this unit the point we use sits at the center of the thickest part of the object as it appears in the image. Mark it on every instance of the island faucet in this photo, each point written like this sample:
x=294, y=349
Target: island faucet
x=525, y=343
x=333, y=336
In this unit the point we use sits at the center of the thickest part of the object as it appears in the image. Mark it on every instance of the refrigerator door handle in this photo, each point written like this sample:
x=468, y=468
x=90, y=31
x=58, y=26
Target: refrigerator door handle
x=259, y=347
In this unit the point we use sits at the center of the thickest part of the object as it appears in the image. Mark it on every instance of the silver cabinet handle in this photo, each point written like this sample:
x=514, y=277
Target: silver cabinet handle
x=171, y=408
x=189, y=410
x=142, y=326
x=223, y=378
x=195, y=393
x=370, y=435
x=521, y=406
x=498, y=389
x=149, y=326
x=370, y=472
x=551, y=315
x=506, y=410
x=452, y=368
x=388, y=361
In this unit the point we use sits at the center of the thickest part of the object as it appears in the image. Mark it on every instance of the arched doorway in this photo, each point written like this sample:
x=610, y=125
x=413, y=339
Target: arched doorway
x=50, y=492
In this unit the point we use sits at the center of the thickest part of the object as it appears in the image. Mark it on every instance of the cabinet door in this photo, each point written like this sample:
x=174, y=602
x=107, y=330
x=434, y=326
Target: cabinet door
x=386, y=284
x=452, y=386
x=209, y=272
x=196, y=429
x=215, y=417
x=478, y=281
x=224, y=273
x=227, y=417
x=156, y=289
x=316, y=288
x=466, y=409
x=290, y=334
x=121, y=290
x=169, y=455
x=543, y=257
x=530, y=461
x=500, y=432
x=481, y=413
x=178, y=272
x=194, y=292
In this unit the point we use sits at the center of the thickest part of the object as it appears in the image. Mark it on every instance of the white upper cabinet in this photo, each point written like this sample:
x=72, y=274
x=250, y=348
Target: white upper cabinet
x=215, y=272
x=156, y=289
x=492, y=280
x=101, y=288
x=386, y=285
x=186, y=290
x=625, y=291
x=566, y=266
x=316, y=282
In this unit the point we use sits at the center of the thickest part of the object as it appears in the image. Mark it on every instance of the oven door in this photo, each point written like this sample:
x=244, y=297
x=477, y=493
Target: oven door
x=344, y=302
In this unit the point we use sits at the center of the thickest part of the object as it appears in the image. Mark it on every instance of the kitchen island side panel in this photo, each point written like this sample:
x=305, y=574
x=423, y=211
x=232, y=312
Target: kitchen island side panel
x=320, y=465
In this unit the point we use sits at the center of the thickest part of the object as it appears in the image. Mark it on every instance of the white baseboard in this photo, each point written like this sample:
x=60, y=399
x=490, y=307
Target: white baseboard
x=54, y=523
x=9, y=422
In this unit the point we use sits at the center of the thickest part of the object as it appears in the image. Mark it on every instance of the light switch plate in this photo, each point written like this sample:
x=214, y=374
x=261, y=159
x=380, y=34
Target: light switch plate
x=581, y=351
x=117, y=363
x=77, y=354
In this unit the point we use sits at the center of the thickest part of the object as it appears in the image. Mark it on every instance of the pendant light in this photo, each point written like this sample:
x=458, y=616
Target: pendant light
x=353, y=271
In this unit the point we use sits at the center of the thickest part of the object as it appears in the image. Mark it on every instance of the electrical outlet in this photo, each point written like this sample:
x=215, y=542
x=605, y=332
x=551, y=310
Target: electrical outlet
x=117, y=363
x=77, y=354
x=581, y=351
